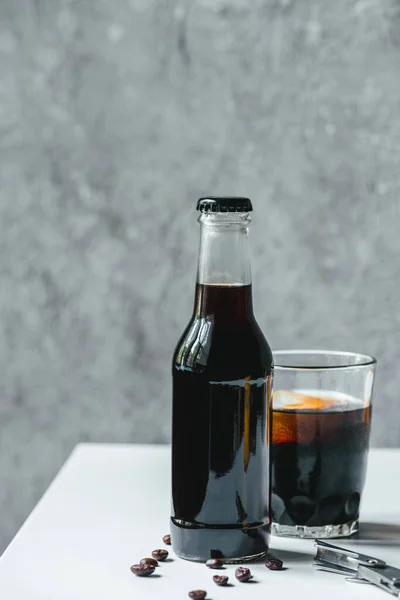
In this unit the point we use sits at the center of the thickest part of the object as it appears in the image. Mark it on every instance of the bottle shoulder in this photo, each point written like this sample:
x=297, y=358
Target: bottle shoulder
x=239, y=346
x=262, y=337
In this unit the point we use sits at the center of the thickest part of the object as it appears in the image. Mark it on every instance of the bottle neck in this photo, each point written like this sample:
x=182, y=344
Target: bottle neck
x=224, y=271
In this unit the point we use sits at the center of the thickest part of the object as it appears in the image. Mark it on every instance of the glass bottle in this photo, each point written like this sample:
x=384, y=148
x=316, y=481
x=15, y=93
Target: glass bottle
x=222, y=382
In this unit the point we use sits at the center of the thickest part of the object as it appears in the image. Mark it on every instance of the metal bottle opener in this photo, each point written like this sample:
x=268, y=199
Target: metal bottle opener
x=359, y=568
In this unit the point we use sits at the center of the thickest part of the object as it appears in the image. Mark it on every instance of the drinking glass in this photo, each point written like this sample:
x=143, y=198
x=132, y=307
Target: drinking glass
x=320, y=440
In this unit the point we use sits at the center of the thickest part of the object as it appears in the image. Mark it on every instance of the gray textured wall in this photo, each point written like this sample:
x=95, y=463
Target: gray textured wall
x=114, y=118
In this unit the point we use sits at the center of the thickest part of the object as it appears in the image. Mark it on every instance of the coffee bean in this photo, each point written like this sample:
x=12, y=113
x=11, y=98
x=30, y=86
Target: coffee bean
x=214, y=563
x=149, y=561
x=220, y=579
x=197, y=595
x=142, y=570
x=243, y=574
x=274, y=564
x=160, y=554
x=167, y=540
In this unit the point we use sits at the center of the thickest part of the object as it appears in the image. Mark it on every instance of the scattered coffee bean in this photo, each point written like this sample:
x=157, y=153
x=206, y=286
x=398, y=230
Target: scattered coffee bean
x=142, y=570
x=243, y=574
x=149, y=561
x=160, y=554
x=167, y=540
x=197, y=594
x=214, y=563
x=274, y=564
x=220, y=579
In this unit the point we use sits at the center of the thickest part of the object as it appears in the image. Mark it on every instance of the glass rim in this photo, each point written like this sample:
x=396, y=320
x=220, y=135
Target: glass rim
x=365, y=360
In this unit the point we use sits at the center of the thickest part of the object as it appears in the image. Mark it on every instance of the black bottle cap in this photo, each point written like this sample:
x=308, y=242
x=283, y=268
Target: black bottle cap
x=224, y=204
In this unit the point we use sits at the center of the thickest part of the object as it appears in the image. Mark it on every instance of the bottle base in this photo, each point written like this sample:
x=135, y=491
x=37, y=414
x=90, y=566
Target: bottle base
x=232, y=545
x=227, y=561
x=322, y=531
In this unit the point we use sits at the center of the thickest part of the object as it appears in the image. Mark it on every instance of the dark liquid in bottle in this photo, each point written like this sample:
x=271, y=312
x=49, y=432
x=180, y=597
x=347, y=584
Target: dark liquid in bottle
x=319, y=461
x=221, y=402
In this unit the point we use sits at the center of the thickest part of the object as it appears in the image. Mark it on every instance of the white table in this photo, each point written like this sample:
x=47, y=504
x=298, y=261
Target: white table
x=109, y=507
